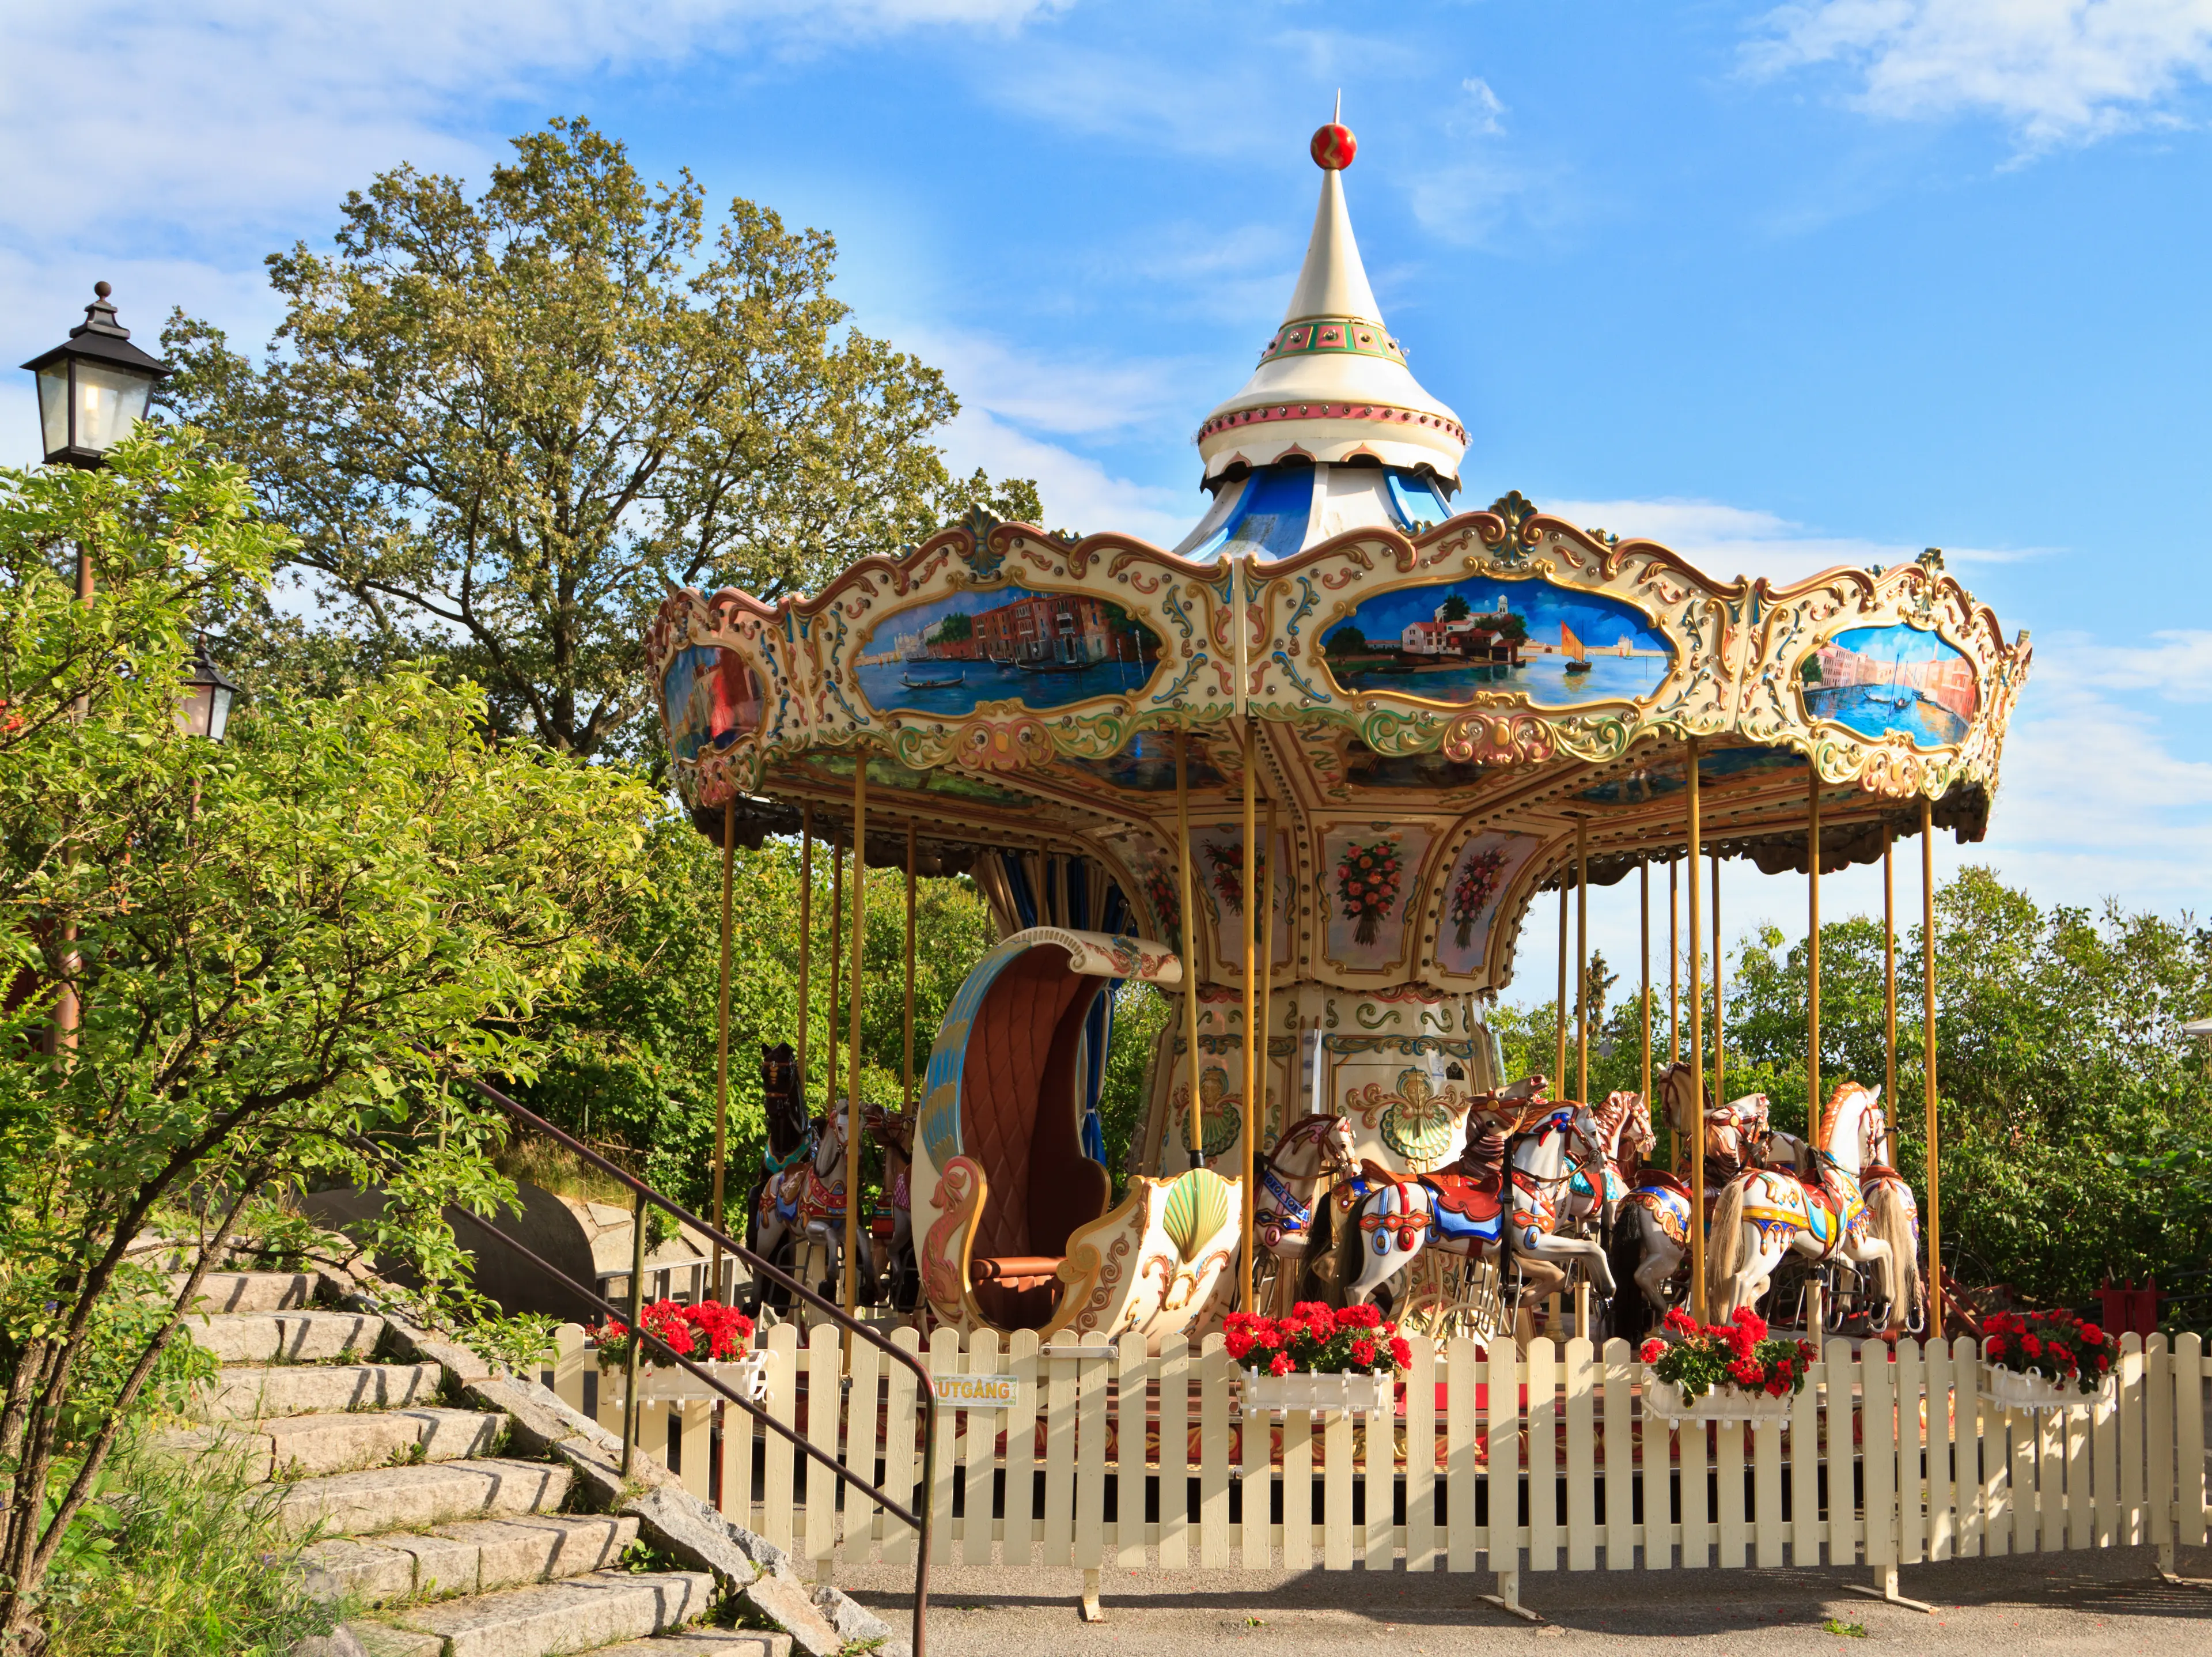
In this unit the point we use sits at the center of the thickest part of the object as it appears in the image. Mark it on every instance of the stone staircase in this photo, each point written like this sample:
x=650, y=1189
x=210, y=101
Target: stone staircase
x=442, y=1545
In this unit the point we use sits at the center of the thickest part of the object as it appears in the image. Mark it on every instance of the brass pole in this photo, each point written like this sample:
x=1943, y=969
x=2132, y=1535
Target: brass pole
x=1697, y=1059
x=1674, y=1001
x=1560, y=1007
x=1194, y=1131
x=1643, y=914
x=853, y=1065
x=1249, y=939
x=805, y=935
x=908, y=1106
x=1268, y=954
x=1928, y=1040
x=836, y=959
x=1582, y=959
x=1720, y=1045
x=722, y=1034
x=1889, y=974
x=1812, y=959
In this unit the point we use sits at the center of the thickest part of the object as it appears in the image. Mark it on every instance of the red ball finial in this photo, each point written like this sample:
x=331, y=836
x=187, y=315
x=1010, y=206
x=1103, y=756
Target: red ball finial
x=1333, y=147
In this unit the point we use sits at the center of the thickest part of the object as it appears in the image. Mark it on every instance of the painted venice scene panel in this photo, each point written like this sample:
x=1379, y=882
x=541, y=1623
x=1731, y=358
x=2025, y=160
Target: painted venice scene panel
x=712, y=699
x=1900, y=679
x=1554, y=645
x=1008, y=644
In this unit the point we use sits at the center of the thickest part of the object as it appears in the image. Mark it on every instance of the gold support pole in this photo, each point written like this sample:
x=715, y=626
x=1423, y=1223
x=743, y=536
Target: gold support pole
x=805, y=935
x=1267, y=956
x=836, y=959
x=1813, y=956
x=1249, y=939
x=1194, y=1129
x=1720, y=1030
x=853, y=1065
x=1644, y=954
x=1928, y=1039
x=1560, y=1007
x=722, y=1034
x=908, y=1024
x=1889, y=977
x=1582, y=959
x=1697, y=1058
x=1675, y=1002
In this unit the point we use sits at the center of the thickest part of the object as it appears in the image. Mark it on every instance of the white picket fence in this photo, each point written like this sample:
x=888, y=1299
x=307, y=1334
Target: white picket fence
x=1880, y=1463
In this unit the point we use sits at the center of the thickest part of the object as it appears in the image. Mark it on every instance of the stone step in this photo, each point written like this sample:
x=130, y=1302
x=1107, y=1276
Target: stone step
x=285, y=1336
x=250, y=1291
x=254, y=1391
x=305, y=1447
x=477, y=1557
x=418, y=1498
x=706, y=1643
x=582, y=1614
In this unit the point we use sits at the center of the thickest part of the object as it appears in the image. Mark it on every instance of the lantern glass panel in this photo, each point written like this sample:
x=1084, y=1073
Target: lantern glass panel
x=109, y=401
x=54, y=407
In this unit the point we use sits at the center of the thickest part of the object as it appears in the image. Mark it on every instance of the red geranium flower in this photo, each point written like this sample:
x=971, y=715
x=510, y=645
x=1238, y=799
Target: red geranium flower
x=1652, y=1349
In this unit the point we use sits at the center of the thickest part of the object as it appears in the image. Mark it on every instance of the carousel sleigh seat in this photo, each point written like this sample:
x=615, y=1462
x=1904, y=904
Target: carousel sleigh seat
x=1011, y=1222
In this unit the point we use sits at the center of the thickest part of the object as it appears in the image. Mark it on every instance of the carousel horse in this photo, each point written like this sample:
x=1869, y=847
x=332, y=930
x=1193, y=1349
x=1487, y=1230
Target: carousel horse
x=1765, y=1213
x=1599, y=1184
x=1517, y=1217
x=893, y=1130
x=806, y=1204
x=1650, y=1250
x=788, y=1139
x=1311, y=1148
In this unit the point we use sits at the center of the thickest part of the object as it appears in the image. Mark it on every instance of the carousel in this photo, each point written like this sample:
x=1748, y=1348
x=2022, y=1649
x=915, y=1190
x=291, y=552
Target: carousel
x=1310, y=773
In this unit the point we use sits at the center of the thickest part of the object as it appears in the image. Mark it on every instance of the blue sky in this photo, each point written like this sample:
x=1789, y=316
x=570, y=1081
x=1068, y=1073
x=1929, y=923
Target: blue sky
x=1781, y=287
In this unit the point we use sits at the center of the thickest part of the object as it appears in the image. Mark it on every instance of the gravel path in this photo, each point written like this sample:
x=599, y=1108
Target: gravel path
x=2075, y=1603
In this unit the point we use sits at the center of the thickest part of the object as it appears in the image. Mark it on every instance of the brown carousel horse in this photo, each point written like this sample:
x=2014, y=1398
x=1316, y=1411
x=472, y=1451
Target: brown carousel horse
x=1311, y=1149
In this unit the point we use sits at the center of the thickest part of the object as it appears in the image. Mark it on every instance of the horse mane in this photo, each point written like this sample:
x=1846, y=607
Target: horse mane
x=1831, y=1110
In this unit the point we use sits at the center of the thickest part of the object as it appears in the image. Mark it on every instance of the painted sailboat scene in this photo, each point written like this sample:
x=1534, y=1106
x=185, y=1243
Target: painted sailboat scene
x=1447, y=643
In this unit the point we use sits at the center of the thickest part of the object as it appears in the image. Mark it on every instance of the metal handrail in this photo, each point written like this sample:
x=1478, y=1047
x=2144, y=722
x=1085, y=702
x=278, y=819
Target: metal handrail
x=926, y=1390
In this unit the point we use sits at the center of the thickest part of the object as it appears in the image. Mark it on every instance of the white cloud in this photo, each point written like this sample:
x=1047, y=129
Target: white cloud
x=2054, y=71
x=1078, y=493
x=2176, y=664
x=1088, y=395
x=1479, y=110
x=1726, y=541
x=235, y=114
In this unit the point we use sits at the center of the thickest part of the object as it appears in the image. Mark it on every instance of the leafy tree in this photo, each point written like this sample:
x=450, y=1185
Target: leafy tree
x=498, y=425
x=1346, y=641
x=282, y=945
x=1456, y=608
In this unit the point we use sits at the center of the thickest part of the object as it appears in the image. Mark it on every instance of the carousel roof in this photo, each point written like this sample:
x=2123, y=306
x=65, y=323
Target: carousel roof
x=1442, y=702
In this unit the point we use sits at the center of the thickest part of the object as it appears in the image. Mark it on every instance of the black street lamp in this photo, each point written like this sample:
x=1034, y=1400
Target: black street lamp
x=204, y=708
x=93, y=387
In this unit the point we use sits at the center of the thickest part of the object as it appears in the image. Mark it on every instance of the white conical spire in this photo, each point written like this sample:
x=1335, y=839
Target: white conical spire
x=1333, y=281
x=1332, y=385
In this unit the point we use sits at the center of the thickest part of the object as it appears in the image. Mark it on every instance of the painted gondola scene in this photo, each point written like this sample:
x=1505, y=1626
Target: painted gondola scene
x=985, y=826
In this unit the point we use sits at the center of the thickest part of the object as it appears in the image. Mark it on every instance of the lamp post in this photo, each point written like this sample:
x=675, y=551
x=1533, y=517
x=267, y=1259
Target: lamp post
x=92, y=387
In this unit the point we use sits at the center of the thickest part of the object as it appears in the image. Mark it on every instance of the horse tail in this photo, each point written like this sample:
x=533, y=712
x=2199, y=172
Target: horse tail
x=1891, y=1222
x=1350, y=1252
x=1724, y=1248
x=1630, y=1316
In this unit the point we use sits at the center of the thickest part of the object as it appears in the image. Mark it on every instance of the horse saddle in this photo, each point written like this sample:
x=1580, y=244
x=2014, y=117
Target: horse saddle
x=1660, y=1179
x=1477, y=1196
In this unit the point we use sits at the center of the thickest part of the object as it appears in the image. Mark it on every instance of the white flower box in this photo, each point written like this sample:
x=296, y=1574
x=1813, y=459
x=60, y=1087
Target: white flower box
x=2014, y=1389
x=1357, y=1393
x=746, y=1376
x=1727, y=1402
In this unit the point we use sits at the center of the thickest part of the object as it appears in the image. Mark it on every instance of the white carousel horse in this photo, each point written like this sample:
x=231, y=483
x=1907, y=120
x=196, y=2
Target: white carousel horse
x=1599, y=1184
x=1764, y=1213
x=1402, y=1215
x=1312, y=1147
x=806, y=1204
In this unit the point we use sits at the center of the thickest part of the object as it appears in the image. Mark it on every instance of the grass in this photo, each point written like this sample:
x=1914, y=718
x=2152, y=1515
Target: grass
x=1848, y=1631
x=195, y=1566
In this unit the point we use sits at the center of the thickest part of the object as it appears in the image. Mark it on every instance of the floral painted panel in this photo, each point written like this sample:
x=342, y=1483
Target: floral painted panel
x=1480, y=875
x=1367, y=874
x=1217, y=874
